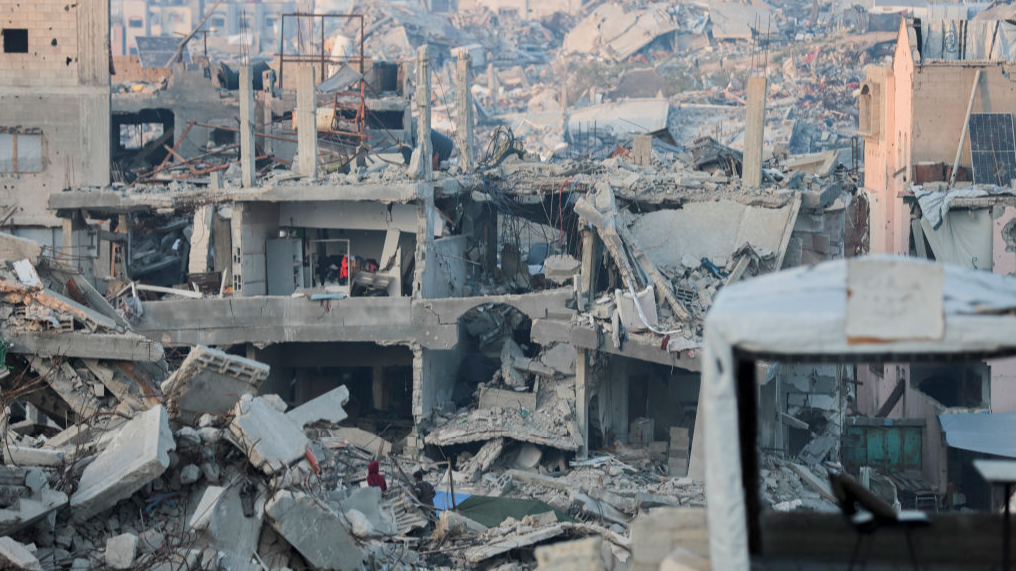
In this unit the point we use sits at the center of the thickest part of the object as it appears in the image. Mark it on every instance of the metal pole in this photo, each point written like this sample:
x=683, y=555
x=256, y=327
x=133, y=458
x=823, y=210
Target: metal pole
x=963, y=133
x=1005, y=524
x=282, y=55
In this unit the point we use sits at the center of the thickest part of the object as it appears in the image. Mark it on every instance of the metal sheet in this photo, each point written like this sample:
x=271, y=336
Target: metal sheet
x=985, y=432
x=156, y=51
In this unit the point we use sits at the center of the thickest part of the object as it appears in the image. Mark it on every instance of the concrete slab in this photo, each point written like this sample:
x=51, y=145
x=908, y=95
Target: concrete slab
x=270, y=438
x=209, y=381
x=367, y=501
x=219, y=520
x=561, y=358
x=560, y=268
x=327, y=407
x=138, y=454
x=14, y=555
x=26, y=512
x=317, y=532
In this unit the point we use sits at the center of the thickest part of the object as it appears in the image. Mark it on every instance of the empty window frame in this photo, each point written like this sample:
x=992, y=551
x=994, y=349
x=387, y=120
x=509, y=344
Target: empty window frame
x=15, y=40
x=137, y=135
x=20, y=152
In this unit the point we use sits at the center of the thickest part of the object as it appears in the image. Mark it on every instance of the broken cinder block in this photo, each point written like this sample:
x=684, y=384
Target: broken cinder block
x=209, y=382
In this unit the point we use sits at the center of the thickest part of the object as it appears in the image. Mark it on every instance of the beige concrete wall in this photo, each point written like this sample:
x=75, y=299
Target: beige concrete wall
x=60, y=88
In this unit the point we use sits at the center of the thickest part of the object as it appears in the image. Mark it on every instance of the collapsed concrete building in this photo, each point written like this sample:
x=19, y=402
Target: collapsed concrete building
x=291, y=271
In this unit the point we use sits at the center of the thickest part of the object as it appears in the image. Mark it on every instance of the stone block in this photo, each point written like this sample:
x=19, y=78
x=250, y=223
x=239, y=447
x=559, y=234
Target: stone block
x=320, y=535
x=14, y=555
x=121, y=550
x=327, y=407
x=640, y=433
x=367, y=502
x=270, y=438
x=500, y=398
x=561, y=358
x=678, y=432
x=681, y=559
x=138, y=454
x=655, y=535
x=589, y=554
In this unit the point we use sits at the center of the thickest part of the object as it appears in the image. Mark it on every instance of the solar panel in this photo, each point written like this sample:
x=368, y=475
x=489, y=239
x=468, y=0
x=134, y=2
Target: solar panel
x=156, y=51
x=992, y=148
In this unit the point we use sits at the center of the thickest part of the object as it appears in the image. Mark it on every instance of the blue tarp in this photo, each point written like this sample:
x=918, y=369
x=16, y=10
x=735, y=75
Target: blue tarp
x=443, y=500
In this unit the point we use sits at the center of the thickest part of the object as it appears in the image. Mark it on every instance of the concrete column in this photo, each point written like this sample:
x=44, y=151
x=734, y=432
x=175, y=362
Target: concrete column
x=246, y=127
x=582, y=380
x=642, y=150
x=754, y=128
x=378, y=388
x=201, y=239
x=423, y=143
x=306, y=121
x=588, y=270
x=492, y=84
x=465, y=106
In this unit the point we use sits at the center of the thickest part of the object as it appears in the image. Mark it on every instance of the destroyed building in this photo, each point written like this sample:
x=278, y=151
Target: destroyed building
x=939, y=189
x=401, y=237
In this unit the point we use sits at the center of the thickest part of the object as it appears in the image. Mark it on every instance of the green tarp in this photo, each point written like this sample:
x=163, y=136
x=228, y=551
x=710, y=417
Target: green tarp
x=491, y=511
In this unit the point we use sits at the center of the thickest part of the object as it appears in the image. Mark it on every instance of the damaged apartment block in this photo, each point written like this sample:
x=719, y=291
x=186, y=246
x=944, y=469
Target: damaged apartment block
x=279, y=253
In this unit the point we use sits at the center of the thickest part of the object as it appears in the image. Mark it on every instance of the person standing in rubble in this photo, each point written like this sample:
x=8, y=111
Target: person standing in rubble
x=422, y=489
x=374, y=477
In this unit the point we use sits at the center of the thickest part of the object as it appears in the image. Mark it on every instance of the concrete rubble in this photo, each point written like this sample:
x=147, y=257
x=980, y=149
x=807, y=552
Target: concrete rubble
x=468, y=241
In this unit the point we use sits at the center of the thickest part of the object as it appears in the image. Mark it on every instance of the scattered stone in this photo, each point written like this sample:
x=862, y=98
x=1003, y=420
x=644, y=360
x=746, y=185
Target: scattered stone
x=121, y=550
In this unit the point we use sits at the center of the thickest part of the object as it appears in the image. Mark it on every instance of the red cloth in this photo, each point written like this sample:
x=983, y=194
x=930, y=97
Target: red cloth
x=344, y=268
x=374, y=477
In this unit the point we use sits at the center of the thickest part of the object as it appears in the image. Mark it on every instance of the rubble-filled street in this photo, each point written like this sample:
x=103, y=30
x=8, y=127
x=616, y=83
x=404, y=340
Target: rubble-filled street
x=488, y=284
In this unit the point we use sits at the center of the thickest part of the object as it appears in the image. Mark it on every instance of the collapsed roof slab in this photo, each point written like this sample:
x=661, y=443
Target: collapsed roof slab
x=432, y=323
x=680, y=352
x=156, y=197
x=122, y=347
x=226, y=321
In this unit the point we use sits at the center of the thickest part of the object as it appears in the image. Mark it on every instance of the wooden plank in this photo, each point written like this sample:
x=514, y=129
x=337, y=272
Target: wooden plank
x=894, y=398
x=818, y=484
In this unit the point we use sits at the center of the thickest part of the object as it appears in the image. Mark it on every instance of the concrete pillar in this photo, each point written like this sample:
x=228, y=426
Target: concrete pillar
x=378, y=388
x=642, y=149
x=200, y=239
x=306, y=121
x=492, y=84
x=754, y=128
x=465, y=106
x=588, y=270
x=423, y=142
x=246, y=127
x=582, y=380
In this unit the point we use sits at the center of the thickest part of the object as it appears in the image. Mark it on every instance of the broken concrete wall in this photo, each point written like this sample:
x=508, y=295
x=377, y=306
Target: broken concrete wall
x=209, y=382
x=253, y=224
x=435, y=373
x=452, y=271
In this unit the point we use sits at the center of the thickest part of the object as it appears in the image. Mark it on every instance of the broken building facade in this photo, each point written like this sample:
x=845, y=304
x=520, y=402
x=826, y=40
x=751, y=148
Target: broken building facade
x=933, y=194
